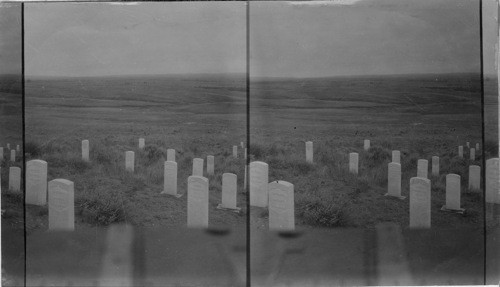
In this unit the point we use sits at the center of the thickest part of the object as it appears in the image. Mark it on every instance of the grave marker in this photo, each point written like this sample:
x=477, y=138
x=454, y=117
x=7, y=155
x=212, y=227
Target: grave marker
x=309, y=152
x=198, y=167
x=422, y=168
x=171, y=154
x=435, y=166
x=394, y=180
x=472, y=154
x=366, y=144
x=281, y=206
x=474, y=177
x=229, y=184
x=14, y=179
x=170, y=179
x=141, y=143
x=461, y=151
x=12, y=155
x=492, y=181
x=396, y=156
x=36, y=182
x=210, y=164
x=18, y=149
x=61, y=205
x=129, y=161
x=259, y=181
x=420, y=202
x=197, y=202
x=1, y=153
x=245, y=153
x=242, y=145
x=85, y=150
x=452, y=193
x=353, y=162
x=8, y=145
x=467, y=144
x=477, y=146
x=235, y=151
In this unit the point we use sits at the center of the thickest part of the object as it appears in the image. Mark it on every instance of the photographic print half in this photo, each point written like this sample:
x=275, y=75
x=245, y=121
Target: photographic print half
x=132, y=112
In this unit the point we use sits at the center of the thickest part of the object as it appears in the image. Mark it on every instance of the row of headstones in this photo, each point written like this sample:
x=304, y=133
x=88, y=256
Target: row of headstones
x=61, y=194
x=366, y=147
x=130, y=155
x=12, y=154
x=472, y=151
x=277, y=196
x=422, y=167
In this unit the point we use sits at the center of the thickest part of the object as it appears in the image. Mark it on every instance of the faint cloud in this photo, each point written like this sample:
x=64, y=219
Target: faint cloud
x=317, y=3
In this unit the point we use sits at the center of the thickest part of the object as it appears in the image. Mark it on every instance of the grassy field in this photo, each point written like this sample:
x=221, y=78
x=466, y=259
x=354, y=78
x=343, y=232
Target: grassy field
x=205, y=115
x=422, y=116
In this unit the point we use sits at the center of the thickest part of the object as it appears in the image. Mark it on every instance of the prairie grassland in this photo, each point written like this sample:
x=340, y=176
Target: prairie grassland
x=195, y=116
x=422, y=116
x=198, y=116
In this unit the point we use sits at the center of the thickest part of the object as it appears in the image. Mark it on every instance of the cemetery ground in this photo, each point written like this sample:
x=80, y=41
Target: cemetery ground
x=421, y=116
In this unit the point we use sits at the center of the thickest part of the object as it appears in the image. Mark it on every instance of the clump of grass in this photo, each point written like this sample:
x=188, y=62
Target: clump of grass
x=490, y=149
x=257, y=151
x=318, y=212
x=375, y=156
x=33, y=149
x=101, y=208
x=154, y=153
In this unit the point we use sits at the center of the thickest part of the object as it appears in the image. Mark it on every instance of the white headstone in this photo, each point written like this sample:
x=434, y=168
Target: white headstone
x=353, y=162
x=36, y=182
x=229, y=191
x=394, y=180
x=85, y=150
x=198, y=166
x=170, y=178
x=129, y=161
x=422, y=168
x=366, y=144
x=8, y=145
x=12, y=155
x=1, y=153
x=171, y=154
x=477, y=146
x=472, y=154
x=18, y=149
x=435, y=166
x=281, y=206
x=259, y=181
x=461, y=151
x=492, y=181
x=14, y=179
x=452, y=192
x=467, y=144
x=474, y=177
x=309, y=152
x=141, y=143
x=61, y=205
x=242, y=145
x=420, y=202
x=197, y=202
x=235, y=151
x=396, y=156
x=210, y=164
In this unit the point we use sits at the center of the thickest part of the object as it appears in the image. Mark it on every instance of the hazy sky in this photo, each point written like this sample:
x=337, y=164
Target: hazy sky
x=10, y=38
x=349, y=37
x=89, y=39
x=299, y=39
